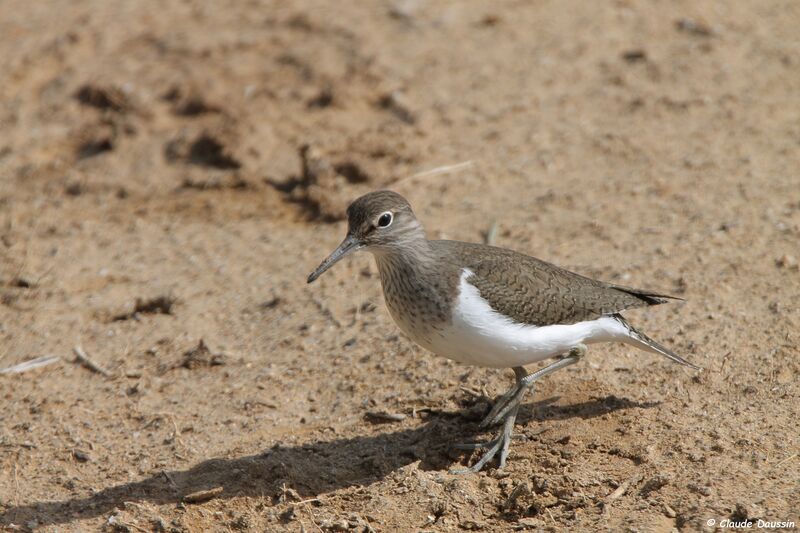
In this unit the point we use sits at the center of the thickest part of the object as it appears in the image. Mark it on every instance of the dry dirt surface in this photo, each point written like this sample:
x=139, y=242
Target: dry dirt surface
x=170, y=172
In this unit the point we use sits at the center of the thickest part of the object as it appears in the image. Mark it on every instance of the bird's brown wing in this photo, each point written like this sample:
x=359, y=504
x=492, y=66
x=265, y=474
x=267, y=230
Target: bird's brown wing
x=531, y=291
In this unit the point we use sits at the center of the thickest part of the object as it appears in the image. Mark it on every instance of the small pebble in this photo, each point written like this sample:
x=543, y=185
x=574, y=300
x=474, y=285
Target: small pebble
x=81, y=455
x=787, y=261
x=382, y=416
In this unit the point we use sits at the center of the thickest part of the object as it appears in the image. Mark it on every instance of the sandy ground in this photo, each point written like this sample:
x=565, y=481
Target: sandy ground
x=170, y=173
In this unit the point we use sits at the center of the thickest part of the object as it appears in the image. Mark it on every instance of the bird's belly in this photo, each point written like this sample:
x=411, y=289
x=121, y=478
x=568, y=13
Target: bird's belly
x=479, y=335
x=511, y=344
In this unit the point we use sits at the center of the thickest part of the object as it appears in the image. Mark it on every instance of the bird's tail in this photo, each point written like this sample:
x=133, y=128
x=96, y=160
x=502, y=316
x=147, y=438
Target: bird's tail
x=639, y=339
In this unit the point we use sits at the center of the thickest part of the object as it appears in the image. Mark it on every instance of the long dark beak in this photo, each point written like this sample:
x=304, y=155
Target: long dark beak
x=349, y=244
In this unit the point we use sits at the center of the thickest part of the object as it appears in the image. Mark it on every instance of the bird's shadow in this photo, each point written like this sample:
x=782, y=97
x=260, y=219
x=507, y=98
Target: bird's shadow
x=309, y=469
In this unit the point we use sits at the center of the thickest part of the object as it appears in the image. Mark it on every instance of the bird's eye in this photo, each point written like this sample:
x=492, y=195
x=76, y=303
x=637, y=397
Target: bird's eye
x=384, y=220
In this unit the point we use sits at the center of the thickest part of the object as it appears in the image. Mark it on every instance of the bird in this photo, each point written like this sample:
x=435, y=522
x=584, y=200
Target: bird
x=488, y=306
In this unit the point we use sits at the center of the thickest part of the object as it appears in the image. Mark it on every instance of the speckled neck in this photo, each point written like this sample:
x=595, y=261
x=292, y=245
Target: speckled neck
x=418, y=289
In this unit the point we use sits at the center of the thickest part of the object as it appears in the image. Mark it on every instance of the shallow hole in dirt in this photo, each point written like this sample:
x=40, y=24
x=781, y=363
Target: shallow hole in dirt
x=323, y=99
x=74, y=189
x=194, y=107
x=317, y=189
x=634, y=56
x=20, y=283
x=103, y=98
x=158, y=305
x=201, y=356
x=295, y=191
x=94, y=147
x=234, y=182
x=272, y=303
x=188, y=104
x=351, y=171
x=396, y=104
x=207, y=151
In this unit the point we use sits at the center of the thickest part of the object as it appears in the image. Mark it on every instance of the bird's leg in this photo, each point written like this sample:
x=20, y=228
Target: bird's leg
x=509, y=406
x=502, y=442
x=574, y=355
x=502, y=401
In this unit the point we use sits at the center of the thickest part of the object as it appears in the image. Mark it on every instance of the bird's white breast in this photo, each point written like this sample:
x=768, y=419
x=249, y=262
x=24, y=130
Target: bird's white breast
x=479, y=335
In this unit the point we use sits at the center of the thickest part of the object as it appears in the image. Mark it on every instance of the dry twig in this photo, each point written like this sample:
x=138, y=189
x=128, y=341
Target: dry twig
x=203, y=495
x=433, y=172
x=31, y=365
x=491, y=233
x=88, y=363
x=472, y=392
x=623, y=488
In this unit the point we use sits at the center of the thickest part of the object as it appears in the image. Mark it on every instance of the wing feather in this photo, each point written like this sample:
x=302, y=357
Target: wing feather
x=532, y=291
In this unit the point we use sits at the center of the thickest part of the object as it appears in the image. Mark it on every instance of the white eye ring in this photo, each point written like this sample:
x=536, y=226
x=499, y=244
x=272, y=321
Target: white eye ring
x=385, y=220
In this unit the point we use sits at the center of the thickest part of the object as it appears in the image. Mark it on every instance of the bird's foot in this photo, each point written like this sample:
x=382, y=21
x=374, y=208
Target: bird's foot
x=508, y=401
x=501, y=444
x=506, y=408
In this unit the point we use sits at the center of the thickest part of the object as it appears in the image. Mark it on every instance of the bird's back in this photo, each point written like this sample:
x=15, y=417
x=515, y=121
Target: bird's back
x=531, y=291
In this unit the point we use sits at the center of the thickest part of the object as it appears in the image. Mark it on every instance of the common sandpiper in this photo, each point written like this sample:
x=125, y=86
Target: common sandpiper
x=488, y=306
